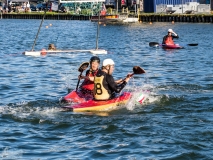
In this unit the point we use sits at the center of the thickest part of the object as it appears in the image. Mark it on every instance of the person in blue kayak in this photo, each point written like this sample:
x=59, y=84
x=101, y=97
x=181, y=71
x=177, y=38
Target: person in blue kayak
x=87, y=85
x=168, y=39
x=105, y=86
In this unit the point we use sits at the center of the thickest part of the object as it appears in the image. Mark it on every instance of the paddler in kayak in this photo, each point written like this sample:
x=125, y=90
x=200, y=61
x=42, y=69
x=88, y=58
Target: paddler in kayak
x=168, y=39
x=105, y=85
x=87, y=85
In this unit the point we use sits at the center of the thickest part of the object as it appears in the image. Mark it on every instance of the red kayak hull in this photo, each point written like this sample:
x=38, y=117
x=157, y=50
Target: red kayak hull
x=100, y=106
x=76, y=97
x=175, y=46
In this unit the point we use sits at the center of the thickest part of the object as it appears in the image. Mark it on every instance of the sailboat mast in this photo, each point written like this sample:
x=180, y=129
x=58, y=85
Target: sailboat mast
x=40, y=26
x=98, y=28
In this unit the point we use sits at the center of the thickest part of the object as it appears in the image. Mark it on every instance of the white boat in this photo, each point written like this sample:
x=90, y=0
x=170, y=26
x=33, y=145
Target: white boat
x=115, y=18
x=44, y=52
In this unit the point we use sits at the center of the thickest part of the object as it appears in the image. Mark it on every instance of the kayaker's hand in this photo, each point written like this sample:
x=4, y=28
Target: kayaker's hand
x=119, y=81
x=88, y=78
x=128, y=77
x=175, y=33
x=81, y=77
x=91, y=78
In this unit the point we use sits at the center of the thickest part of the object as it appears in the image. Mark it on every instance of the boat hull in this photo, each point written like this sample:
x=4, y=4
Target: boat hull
x=114, y=19
x=175, y=46
x=101, y=106
x=75, y=97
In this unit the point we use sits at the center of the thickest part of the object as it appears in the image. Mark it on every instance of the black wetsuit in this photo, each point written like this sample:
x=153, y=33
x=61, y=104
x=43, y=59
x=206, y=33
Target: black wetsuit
x=109, y=83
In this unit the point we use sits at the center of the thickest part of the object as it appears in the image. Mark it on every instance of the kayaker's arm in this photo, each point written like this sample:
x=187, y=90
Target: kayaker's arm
x=115, y=87
x=175, y=36
x=119, y=81
x=164, y=39
x=86, y=77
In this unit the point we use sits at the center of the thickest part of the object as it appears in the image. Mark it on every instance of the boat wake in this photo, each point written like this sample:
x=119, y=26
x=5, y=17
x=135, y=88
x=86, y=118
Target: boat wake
x=36, y=111
x=144, y=98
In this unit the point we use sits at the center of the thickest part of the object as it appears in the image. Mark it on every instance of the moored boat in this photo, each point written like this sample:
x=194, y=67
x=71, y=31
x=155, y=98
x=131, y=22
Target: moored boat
x=114, y=18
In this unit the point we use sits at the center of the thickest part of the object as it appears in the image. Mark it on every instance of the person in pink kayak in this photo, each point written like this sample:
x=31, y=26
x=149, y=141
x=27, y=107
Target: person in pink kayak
x=105, y=86
x=168, y=39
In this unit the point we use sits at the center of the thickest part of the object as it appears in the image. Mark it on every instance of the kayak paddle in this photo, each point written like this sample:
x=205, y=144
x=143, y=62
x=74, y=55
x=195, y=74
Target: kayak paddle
x=136, y=70
x=154, y=44
x=193, y=44
x=82, y=67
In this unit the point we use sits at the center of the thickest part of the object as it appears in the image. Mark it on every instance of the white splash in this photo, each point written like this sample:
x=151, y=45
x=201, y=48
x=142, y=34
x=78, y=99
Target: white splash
x=141, y=96
x=11, y=154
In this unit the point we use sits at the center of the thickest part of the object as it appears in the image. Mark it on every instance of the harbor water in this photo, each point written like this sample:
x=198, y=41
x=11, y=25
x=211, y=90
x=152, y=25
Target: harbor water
x=175, y=121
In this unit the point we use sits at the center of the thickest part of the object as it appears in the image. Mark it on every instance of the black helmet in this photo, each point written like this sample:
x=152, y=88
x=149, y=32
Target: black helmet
x=94, y=58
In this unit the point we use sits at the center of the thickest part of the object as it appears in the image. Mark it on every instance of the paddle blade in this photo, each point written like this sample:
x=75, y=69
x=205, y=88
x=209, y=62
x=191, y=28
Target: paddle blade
x=193, y=44
x=83, y=66
x=138, y=70
x=154, y=44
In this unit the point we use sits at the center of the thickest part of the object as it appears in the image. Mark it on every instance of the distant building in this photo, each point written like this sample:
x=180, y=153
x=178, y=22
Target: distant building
x=177, y=6
x=150, y=6
x=204, y=1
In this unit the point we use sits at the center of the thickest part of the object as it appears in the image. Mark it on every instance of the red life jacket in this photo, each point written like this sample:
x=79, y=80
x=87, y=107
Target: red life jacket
x=169, y=41
x=87, y=84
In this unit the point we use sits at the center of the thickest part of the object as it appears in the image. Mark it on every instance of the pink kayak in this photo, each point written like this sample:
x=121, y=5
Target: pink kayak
x=175, y=46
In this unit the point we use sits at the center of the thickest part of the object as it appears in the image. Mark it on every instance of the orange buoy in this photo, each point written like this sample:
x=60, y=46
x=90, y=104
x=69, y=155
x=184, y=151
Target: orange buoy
x=43, y=52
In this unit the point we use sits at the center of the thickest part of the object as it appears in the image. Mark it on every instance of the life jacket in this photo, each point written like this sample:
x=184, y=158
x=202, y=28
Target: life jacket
x=87, y=84
x=169, y=40
x=100, y=92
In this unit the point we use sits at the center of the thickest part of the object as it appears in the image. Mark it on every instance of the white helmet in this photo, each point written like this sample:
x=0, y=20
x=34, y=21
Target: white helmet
x=108, y=62
x=170, y=30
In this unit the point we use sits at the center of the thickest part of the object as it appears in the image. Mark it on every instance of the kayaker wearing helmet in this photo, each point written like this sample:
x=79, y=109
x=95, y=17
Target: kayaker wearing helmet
x=87, y=85
x=168, y=39
x=105, y=85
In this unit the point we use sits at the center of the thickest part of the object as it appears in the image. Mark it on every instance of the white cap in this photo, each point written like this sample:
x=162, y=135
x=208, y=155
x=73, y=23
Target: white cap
x=170, y=30
x=108, y=62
